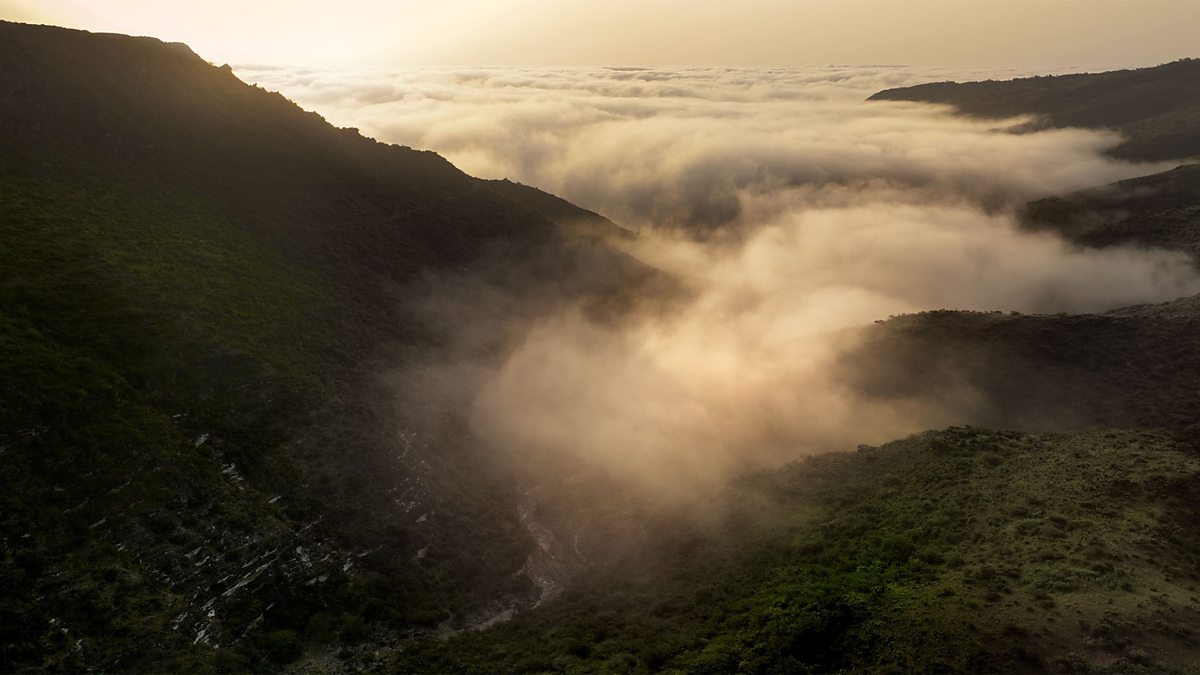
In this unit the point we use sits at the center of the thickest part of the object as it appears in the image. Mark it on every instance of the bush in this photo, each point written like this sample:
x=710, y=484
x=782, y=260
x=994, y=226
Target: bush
x=322, y=627
x=283, y=646
x=354, y=629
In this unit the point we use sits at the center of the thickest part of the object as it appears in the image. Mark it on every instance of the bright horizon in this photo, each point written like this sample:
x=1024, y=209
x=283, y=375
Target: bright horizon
x=371, y=33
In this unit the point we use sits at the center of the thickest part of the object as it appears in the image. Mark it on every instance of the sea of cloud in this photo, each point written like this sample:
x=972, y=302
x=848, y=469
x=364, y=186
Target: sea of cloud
x=795, y=209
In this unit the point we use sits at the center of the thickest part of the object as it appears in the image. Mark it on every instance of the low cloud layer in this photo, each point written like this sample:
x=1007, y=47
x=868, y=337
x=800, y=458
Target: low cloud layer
x=796, y=211
x=653, y=147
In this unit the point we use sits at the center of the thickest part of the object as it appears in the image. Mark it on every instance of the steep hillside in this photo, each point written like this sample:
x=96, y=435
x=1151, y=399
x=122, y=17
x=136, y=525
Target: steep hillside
x=1156, y=109
x=200, y=285
x=575, y=220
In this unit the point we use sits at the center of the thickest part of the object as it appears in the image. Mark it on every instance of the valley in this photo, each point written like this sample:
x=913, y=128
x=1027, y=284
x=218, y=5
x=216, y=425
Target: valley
x=277, y=396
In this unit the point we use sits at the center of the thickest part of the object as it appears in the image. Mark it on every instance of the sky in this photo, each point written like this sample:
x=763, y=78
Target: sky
x=401, y=33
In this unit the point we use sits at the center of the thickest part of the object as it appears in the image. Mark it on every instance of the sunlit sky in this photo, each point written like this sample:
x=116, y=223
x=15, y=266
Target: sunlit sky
x=398, y=33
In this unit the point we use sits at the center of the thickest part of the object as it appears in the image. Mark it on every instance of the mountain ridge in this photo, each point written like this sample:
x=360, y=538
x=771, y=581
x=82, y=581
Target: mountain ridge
x=1156, y=109
x=206, y=295
x=200, y=287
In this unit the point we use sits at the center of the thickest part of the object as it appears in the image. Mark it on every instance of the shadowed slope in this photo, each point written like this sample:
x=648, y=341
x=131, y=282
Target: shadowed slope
x=1162, y=210
x=200, y=284
x=1156, y=109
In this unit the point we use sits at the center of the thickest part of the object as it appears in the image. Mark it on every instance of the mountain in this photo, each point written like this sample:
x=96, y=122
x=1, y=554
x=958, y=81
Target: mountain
x=1156, y=110
x=1063, y=543
x=1161, y=210
x=1133, y=368
x=201, y=285
x=216, y=453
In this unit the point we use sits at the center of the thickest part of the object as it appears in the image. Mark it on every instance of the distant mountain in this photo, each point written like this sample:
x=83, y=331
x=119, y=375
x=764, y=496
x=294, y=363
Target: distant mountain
x=201, y=285
x=1132, y=368
x=1156, y=109
x=1162, y=210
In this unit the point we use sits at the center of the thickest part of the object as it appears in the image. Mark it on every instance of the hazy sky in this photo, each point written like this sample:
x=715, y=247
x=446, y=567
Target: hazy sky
x=397, y=33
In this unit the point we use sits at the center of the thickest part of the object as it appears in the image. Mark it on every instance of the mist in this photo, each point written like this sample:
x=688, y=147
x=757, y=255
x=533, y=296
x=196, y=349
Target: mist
x=793, y=212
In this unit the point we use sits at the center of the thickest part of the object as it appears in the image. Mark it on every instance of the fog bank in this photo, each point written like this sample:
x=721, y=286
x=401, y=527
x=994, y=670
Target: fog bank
x=794, y=211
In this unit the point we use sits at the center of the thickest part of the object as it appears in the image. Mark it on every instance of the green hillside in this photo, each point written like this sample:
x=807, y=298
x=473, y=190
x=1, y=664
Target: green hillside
x=200, y=285
x=1064, y=546
x=961, y=550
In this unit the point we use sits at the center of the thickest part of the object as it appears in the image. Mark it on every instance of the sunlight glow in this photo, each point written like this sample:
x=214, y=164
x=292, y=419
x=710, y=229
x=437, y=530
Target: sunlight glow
x=632, y=32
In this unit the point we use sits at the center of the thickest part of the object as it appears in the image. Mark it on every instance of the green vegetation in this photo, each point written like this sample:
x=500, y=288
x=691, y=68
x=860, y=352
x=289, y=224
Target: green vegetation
x=201, y=286
x=954, y=551
x=154, y=363
x=1133, y=368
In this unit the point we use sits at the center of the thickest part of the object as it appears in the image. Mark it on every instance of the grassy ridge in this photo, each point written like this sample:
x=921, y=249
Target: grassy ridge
x=199, y=284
